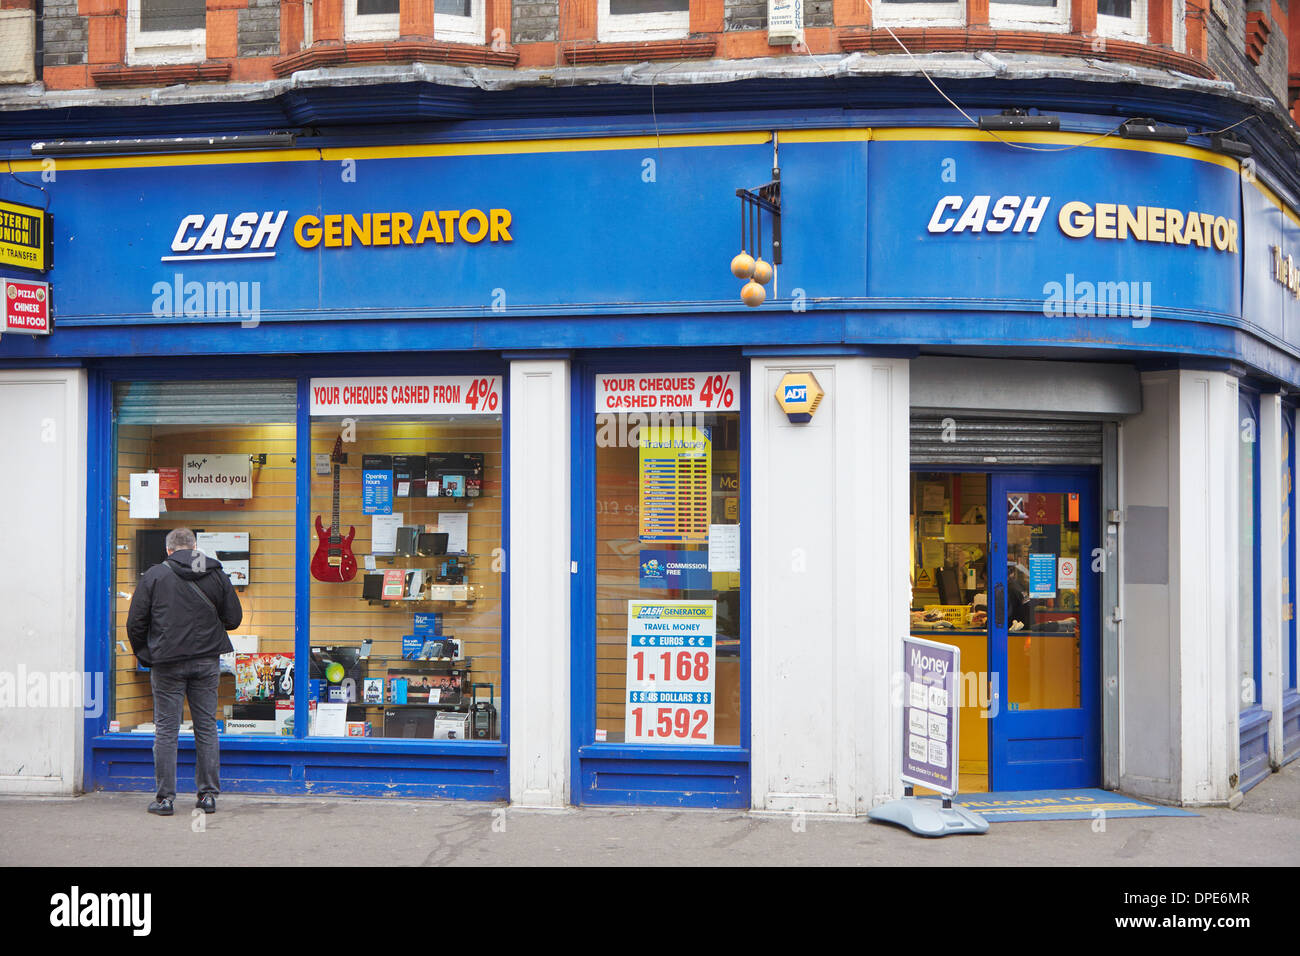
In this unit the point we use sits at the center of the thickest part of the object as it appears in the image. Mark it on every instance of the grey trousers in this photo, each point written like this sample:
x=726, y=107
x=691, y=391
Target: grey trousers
x=172, y=683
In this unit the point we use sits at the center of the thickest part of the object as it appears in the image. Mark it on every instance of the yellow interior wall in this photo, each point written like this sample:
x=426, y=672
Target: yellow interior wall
x=339, y=616
x=618, y=581
x=267, y=517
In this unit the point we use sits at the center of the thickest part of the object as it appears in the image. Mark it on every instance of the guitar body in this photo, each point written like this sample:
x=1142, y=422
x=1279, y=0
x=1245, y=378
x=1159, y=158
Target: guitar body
x=346, y=567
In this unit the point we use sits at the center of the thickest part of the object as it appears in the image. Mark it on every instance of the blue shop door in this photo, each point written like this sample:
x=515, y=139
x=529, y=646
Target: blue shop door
x=1044, y=652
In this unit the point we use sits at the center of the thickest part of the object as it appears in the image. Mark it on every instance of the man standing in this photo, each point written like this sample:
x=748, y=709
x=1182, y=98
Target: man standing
x=177, y=626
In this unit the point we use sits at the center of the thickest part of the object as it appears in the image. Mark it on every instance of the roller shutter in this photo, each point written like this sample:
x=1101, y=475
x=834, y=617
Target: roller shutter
x=965, y=440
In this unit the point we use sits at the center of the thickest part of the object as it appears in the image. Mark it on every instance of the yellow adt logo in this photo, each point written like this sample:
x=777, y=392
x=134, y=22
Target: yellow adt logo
x=799, y=395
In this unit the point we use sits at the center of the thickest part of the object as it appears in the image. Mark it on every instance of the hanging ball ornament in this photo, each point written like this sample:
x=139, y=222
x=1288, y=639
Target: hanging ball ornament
x=762, y=271
x=753, y=294
x=742, y=267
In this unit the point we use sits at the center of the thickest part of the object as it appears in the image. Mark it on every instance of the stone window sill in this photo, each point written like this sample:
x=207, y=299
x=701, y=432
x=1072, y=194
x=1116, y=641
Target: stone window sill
x=394, y=51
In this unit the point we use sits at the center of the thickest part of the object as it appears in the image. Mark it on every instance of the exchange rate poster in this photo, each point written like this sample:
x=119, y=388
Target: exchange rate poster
x=670, y=671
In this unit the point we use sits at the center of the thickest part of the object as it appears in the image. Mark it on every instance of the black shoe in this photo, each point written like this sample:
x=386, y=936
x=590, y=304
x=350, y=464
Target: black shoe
x=163, y=808
x=207, y=803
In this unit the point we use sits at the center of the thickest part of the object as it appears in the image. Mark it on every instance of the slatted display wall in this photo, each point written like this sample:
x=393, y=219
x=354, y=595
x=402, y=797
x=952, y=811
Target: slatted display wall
x=618, y=581
x=339, y=615
x=268, y=517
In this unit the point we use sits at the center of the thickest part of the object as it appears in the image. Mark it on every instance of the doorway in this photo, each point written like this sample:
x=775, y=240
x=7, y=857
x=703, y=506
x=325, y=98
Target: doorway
x=1001, y=569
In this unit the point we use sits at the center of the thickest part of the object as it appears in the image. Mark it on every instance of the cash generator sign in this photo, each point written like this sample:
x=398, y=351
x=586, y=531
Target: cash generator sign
x=1077, y=219
x=256, y=235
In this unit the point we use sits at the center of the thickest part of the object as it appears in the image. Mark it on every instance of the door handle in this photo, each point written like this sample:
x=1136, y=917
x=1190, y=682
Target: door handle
x=1000, y=605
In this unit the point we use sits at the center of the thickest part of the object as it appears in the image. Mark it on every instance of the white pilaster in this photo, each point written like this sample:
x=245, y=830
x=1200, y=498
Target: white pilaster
x=538, y=555
x=43, y=583
x=1204, y=529
x=828, y=584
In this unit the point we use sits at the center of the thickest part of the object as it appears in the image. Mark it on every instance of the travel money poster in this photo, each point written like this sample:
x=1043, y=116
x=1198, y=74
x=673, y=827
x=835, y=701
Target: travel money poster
x=675, y=483
x=670, y=672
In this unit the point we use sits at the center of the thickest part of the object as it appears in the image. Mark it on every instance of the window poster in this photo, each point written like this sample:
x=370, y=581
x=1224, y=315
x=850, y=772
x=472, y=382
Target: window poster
x=670, y=672
x=377, y=492
x=217, y=476
x=1042, y=575
x=674, y=481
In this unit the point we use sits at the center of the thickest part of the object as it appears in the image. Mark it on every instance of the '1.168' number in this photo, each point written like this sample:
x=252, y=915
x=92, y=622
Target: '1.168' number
x=674, y=723
x=688, y=667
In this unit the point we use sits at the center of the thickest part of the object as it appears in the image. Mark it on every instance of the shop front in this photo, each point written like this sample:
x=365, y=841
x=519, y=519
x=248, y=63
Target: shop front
x=499, y=463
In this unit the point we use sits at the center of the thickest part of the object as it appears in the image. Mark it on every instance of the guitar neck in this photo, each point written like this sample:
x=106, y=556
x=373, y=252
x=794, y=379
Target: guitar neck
x=334, y=528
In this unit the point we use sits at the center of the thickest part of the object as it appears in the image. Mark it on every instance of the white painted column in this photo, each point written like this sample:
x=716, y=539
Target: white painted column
x=1205, y=533
x=538, y=555
x=1179, y=698
x=1270, y=568
x=829, y=586
x=43, y=584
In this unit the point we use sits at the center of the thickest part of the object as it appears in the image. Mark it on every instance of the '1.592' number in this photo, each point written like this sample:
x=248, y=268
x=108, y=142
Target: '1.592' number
x=674, y=723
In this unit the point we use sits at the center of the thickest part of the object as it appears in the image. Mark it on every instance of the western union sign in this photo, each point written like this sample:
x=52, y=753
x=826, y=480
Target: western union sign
x=24, y=236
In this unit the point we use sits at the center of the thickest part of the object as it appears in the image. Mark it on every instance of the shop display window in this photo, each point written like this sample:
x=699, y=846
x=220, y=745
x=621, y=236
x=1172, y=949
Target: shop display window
x=668, y=552
x=949, y=564
x=1288, y=549
x=406, y=557
x=1248, y=538
x=218, y=458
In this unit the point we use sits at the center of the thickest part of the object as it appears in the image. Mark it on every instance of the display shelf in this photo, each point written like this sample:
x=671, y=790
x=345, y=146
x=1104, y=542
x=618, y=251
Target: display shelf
x=461, y=706
x=465, y=556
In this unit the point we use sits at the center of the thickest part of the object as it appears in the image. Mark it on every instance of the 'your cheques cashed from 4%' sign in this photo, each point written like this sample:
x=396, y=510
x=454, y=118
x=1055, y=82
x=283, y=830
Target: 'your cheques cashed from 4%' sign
x=426, y=395
x=668, y=392
x=930, y=714
x=670, y=665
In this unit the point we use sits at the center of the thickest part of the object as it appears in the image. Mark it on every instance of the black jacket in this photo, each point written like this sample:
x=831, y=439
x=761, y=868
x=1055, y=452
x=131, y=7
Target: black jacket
x=169, y=622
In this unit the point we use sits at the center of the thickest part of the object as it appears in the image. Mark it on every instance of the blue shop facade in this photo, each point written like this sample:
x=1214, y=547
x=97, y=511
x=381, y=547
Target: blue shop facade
x=463, y=410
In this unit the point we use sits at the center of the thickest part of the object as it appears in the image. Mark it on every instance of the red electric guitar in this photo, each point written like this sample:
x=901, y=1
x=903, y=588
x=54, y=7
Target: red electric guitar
x=334, y=561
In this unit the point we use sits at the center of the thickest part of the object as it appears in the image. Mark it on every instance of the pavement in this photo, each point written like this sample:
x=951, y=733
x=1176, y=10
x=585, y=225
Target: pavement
x=113, y=829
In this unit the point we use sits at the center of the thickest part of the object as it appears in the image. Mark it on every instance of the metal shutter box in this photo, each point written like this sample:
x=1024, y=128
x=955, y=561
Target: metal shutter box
x=966, y=440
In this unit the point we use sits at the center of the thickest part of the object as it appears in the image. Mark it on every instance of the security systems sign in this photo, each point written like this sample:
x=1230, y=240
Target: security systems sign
x=670, y=672
x=931, y=682
x=24, y=237
x=668, y=392
x=784, y=21
x=799, y=394
x=27, y=307
x=445, y=395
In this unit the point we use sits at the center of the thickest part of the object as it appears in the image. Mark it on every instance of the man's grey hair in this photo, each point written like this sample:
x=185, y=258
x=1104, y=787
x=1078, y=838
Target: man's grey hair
x=181, y=539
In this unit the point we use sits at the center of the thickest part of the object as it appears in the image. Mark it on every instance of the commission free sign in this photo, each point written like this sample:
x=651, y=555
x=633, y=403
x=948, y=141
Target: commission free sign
x=930, y=714
x=670, y=672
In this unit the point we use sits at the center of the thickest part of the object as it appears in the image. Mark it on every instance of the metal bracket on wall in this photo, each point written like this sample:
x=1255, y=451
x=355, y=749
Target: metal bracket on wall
x=765, y=197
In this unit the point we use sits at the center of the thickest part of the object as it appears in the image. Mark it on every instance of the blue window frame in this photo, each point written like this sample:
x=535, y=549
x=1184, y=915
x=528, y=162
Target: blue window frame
x=1288, y=549
x=627, y=773
x=1253, y=722
x=1290, y=728
x=367, y=766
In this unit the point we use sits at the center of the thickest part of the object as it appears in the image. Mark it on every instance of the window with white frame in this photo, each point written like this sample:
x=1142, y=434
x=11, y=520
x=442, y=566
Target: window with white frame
x=456, y=21
x=643, y=20
x=166, y=31
x=1051, y=15
x=919, y=13
x=1122, y=19
x=370, y=20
